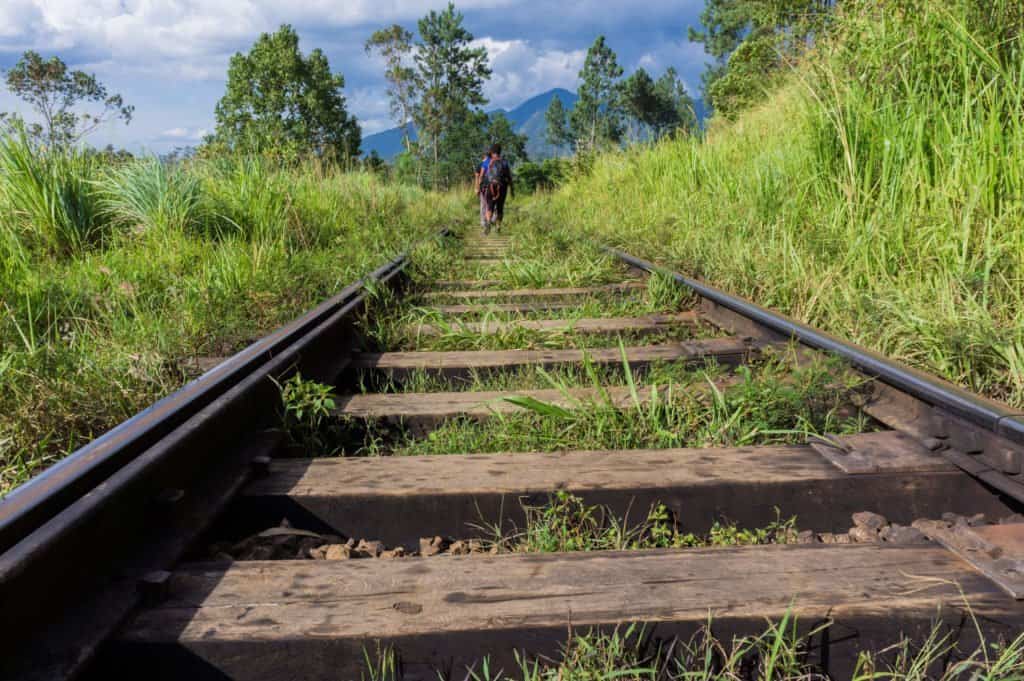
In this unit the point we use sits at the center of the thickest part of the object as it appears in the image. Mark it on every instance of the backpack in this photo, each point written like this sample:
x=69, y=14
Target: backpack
x=497, y=176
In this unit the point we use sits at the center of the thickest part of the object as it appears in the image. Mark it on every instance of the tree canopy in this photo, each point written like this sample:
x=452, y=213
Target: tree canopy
x=596, y=120
x=55, y=93
x=556, y=119
x=395, y=45
x=450, y=77
x=279, y=100
x=740, y=34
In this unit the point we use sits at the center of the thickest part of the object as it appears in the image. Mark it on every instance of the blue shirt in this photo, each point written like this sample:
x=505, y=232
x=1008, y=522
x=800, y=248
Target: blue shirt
x=484, y=165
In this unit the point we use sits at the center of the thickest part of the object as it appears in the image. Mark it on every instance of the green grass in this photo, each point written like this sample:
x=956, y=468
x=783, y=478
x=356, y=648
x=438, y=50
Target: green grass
x=456, y=337
x=541, y=255
x=567, y=523
x=781, y=652
x=878, y=195
x=582, y=375
x=114, y=278
x=773, y=403
x=399, y=328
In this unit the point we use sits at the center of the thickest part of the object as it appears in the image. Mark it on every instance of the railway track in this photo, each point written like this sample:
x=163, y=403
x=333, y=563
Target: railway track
x=203, y=540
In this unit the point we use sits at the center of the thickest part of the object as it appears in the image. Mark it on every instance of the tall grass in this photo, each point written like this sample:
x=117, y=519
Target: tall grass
x=153, y=195
x=878, y=194
x=50, y=203
x=115, y=279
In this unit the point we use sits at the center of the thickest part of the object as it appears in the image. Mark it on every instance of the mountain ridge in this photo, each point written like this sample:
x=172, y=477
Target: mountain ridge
x=528, y=118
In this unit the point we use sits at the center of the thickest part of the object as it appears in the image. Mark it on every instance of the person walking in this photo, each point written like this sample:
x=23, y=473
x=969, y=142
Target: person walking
x=481, y=174
x=497, y=187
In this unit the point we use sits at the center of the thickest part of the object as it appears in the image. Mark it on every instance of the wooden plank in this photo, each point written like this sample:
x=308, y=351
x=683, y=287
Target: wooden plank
x=540, y=293
x=466, y=283
x=504, y=308
x=487, y=262
x=439, y=406
x=726, y=351
x=314, y=620
x=606, y=326
x=400, y=499
x=419, y=412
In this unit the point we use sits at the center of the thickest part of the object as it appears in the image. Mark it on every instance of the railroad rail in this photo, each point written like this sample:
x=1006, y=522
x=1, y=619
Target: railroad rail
x=155, y=551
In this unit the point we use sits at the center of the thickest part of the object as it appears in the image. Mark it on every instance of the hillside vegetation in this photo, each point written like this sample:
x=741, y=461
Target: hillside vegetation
x=117, y=277
x=876, y=194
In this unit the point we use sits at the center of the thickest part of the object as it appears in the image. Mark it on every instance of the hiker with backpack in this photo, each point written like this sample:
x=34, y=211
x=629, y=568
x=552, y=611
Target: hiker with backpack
x=497, y=186
x=481, y=174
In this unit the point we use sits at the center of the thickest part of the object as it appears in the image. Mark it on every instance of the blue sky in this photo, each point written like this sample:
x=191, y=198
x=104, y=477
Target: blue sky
x=169, y=57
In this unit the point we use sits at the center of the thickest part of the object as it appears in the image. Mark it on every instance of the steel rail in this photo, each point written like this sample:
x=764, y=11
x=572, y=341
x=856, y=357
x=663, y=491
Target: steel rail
x=104, y=504
x=34, y=502
x=993, y=416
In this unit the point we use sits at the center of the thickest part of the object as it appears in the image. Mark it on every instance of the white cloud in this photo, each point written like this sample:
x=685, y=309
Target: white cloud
x=181, y=134
x=179, y=28
x=176, y=133
x=169, y=57
x=522, y=70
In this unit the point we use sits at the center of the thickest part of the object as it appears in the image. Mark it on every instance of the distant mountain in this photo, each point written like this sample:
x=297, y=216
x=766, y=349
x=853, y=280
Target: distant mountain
x=387, y=144
x=527, y=119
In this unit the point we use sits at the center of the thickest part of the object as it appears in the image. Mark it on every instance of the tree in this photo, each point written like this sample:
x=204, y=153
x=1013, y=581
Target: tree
x=513, y=145
x=450, y=74
x=725, y=22
x=596, y=118
x=785, y=25
x=640, y=101
x=279, y=101
x=677, y=106
x=557, y=120
x=659, y=107
x=751, y=72
x=374, y=164
x=531, y=177
x=54, y=93
x=395, y=45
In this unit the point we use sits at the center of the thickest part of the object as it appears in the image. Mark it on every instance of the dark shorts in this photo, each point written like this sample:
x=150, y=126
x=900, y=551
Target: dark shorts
x=496, y=204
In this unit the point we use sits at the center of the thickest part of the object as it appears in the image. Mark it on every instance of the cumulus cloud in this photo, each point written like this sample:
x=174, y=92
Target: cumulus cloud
x=178, y=28
x=522, y=70
x=170, y=56
x=183, y=134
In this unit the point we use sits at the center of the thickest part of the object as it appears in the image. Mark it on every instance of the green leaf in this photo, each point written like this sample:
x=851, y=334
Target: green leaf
x=539, y=407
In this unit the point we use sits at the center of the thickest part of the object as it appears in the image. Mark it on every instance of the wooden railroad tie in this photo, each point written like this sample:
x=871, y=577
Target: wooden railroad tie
x=538, y=293
x=727, y=351
x=456, y=495
x=605, y=326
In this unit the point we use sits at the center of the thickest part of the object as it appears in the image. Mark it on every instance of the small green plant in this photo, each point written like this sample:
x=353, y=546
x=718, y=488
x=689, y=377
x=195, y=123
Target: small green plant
x=779, y=531
x=381, y=665
x=662, y=531
x=567, y=524
x=784, y=651
x=307, y=418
